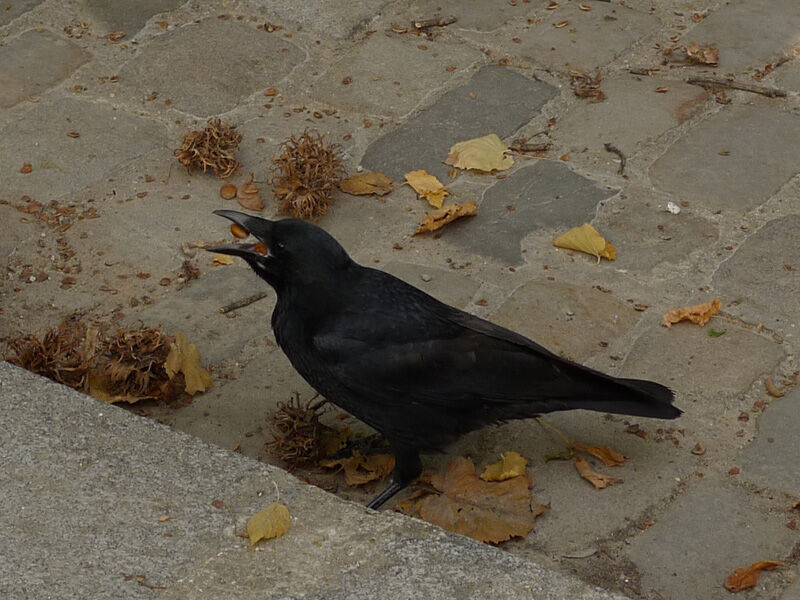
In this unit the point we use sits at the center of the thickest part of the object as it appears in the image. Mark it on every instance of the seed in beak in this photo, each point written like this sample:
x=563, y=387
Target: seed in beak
x=239, y=231
x=261, y=249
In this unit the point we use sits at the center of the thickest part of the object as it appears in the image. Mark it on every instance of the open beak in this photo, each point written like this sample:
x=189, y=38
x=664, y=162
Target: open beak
x=256, y=226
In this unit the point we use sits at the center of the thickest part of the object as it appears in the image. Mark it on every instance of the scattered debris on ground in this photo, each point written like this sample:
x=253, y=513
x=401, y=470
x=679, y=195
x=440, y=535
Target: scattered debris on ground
x=698, y=313
x=587, y=87
x=213, y=147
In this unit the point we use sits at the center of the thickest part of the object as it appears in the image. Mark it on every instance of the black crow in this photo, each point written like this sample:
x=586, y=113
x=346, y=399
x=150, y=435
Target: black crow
x=415, y=369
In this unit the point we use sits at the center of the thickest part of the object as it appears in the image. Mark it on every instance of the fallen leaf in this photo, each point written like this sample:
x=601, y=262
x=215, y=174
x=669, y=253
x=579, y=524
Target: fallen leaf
x=360, y=470
x=609, y=456
x=228, y=191
x=26, y=168
x=439, y=218
x=487, y=153
x=742, y=579
x=272, y=522
x=771, y=389
x=598, y=480
x=705, y=55
x=461, y=502
x=185, y=358
x=699, y=313
x=511, y=464
x=715, y=334
x=222, y=259
x=427, y=186
x=248, y=196
x=699, y=449
x=586, y=239
x=363, y=184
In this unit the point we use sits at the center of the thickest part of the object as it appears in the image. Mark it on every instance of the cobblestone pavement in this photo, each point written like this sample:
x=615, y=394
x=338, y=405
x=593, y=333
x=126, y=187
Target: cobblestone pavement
x=97, y=118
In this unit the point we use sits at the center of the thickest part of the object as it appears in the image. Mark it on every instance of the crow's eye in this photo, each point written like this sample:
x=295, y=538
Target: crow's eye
x=280, y=245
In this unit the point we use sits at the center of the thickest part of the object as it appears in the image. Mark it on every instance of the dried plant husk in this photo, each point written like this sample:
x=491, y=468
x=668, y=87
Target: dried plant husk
x=297, y=432
x=211, y=148
x=307, y=174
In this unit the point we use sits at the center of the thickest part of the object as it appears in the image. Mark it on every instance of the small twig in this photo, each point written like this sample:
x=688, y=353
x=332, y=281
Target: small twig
x=614, y=150
x=434, y=22
x=770, y=92
x=646, y=72
x=243, y=302
x=555, y=430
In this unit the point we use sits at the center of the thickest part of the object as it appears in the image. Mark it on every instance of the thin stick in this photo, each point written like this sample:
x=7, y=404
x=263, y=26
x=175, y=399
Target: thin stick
x=614, y=150
x=555, y=430
x=435, y=22
x=243, y=302
x=737, y=85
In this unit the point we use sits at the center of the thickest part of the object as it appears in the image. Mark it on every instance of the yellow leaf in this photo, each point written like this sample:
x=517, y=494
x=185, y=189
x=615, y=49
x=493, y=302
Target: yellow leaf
x=184, y=357
x=511, y=464
x=363, y=184
x=439, y=218
x=427, y=186
x=272, y=522
x=598, y=480
x=360, y=470
x=699, y=313
x=487, y=153
x=222, y=259
x=586, y=239
x=609, y=456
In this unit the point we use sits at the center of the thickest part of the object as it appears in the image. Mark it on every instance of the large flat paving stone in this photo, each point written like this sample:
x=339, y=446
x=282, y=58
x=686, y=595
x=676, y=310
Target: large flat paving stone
x=474, y=15
x=759, y=145
x=544, y=195
x=764, y=274
x=380, y=81
x=34, y=62
x=567, y=319
x=333, y=19
x=504, y=100
x=772, y=459
x=707, y=532
x=748, y=34
x=62, y=164
x=14, y=9
x=590, y=40
x=448, y=286
x=129, y=17
x=207, y=68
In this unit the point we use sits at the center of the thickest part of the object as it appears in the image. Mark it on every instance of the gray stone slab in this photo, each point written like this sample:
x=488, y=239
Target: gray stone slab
x=787, y=76
x=748, y=34
x=208, y=67
x=772, y=459
x=646, y=236
x=757, y=276
x=12, y=10
x=762, y=143
x=33, y=63
x=721, y=367
x=544, y=195
x=792, y=592
x=332, y=19
x=129, y=17
x=62, y=164
x=380, y=83
x=448, y=286
x=568, y=319
x=94, y=497
x=707, y=532
x=474, y=15
x=590, y=40
x=504, y=101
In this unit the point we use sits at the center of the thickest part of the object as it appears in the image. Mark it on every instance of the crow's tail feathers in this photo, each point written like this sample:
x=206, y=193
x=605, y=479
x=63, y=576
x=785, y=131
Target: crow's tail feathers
x=636, y=397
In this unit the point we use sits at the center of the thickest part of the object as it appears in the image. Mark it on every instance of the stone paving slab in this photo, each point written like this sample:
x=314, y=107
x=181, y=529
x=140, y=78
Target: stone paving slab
x=129, y=17
x=339, y=21
x=15, y=9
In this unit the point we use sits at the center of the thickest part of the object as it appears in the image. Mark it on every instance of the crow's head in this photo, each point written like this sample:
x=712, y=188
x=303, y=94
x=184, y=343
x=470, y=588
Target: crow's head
x=289, y=252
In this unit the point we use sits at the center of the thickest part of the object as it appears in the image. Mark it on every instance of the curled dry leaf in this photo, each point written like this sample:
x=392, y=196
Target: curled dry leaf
x=228, y=191
x=699, y=313
x=771, y=389
x=439, y=218
x=222, y=259
x=487, y=153
x=742, y=579
x=598, y=480
x=184, y=357
x=272, y=522
x=702, y=55
x=360, y=470
x=511, y=464
x=427, y=186
x=248, y=196
x=461, y=502
x=364, y=184
x=586, y=239
x=609, y=456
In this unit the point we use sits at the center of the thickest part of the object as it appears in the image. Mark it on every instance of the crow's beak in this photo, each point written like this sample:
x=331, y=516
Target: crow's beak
x=256, y=226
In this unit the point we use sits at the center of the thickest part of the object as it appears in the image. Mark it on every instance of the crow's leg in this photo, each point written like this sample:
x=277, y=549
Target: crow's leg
x=408, y=467
x=371, y=444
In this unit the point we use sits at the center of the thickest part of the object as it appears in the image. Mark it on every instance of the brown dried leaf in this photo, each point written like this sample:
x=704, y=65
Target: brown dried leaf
x=248, y=196
x=511, y=464
x=185, y=358
x=491, y=512
x=699, y=313
x=427, y=186
x=702, y=55
x=26, y=168
x=272, y=522
x=586, y=239
x=364, y=184
x=598, y=480
x=586, y=86
x=742, y=579
x=360, y=470
x=439, y=218
x=609, y=456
